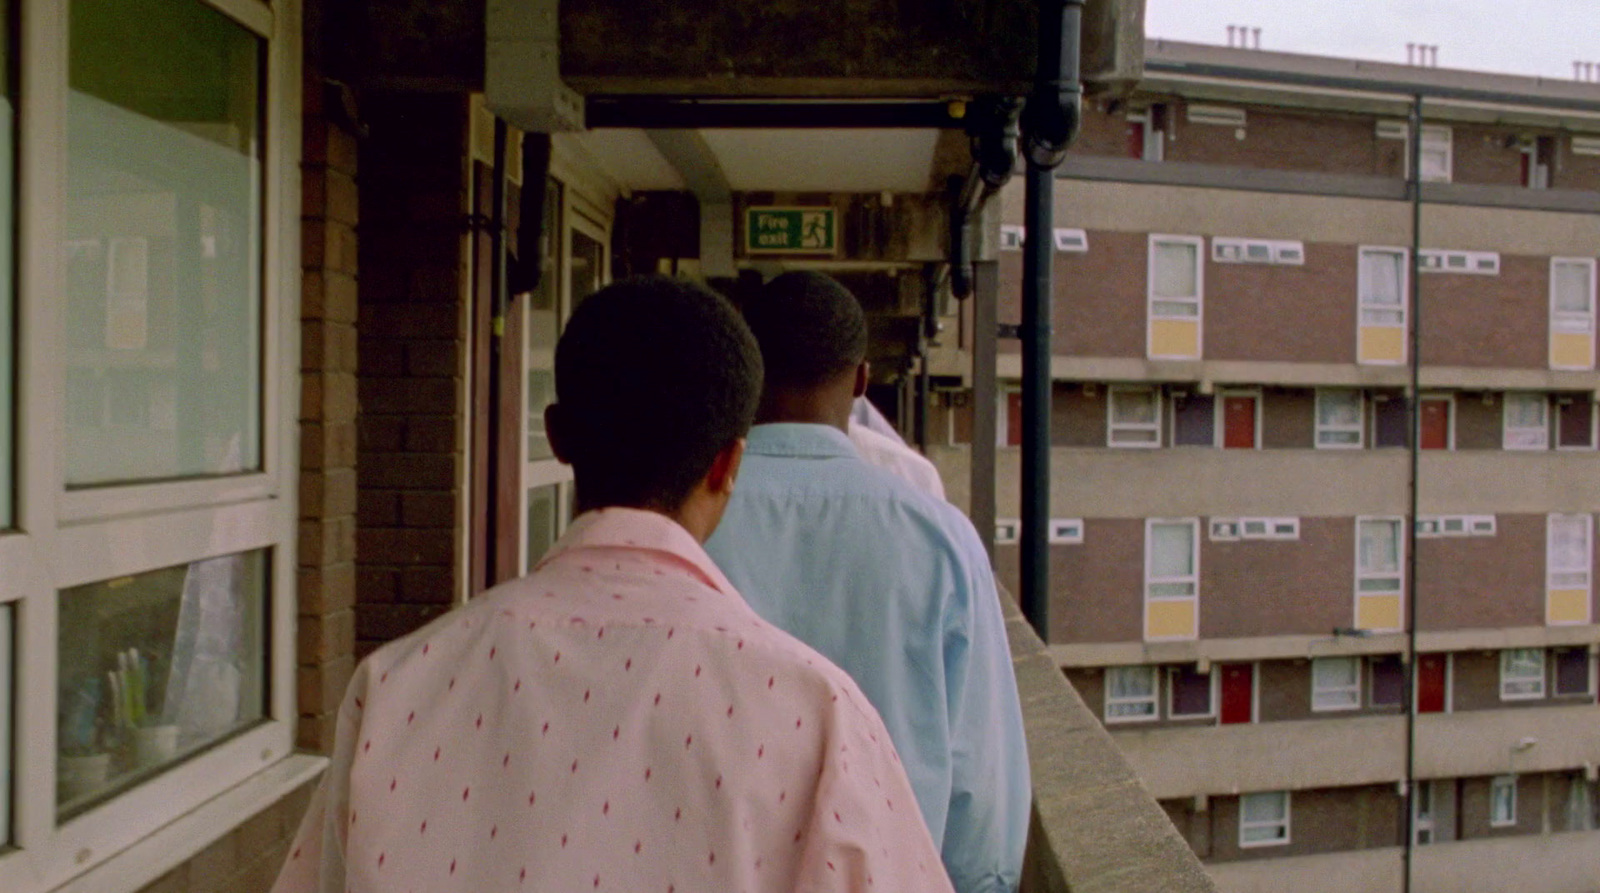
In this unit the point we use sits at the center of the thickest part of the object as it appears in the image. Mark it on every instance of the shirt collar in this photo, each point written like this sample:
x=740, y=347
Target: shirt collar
x=799, y=439
x=626, y=528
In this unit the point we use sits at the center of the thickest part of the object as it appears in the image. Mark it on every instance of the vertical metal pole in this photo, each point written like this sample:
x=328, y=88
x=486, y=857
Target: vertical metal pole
x=1037, y=292
x=1414, y=188
x=985, y=391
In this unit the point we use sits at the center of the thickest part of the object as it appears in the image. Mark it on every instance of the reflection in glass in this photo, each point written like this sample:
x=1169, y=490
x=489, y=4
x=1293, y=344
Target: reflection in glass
x=587, y=265
x=155, y=667
x=163, y=246
x=544, y=519
x=543, y=324
x=541, y=393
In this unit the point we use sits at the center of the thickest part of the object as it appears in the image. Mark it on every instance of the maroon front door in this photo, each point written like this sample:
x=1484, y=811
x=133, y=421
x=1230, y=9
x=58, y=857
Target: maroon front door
x=1238, y=693
x=1239, y=423
x=1431, y=672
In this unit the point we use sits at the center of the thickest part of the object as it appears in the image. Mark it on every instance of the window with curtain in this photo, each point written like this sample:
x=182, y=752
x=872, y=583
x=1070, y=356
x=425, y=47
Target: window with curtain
x=1338, y=418
x=1175, y=279
x=1567, y=551
x=1378, y=547
x=1264, y=819
x=1130, y=693
x=1527, y=422
x=1382, y=287
x=1171, y=561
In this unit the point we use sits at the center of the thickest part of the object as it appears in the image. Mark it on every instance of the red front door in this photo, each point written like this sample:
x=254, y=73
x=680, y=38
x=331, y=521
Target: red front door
x=1238, y=693
x=1431, y=672
x=1239, y=423
x=1014, y=418
x=1435, y=424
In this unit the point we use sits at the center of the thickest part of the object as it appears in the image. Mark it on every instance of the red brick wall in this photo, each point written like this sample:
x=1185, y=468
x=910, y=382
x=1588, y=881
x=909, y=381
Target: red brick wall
x=1327, y=820
x=1304, y=314
x=1078, y=419
x=413, y=338
x=1272, y=588
x=1288, y=418
x=1487, y=321
x=1483, y=582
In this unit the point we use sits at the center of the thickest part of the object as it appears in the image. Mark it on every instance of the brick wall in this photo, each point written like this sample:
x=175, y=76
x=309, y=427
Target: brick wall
x=413, y=324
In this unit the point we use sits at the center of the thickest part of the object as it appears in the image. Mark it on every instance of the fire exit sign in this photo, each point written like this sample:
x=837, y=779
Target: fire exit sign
x=791, y=231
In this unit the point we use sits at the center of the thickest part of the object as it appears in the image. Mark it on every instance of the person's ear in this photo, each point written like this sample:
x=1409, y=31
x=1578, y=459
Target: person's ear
x=555, y=428
x=862, y=374
x=725, y=469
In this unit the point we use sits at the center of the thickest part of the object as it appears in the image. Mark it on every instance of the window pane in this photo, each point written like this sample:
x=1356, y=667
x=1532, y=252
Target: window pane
x=587, y=267
x=544, y=511
x=1191, y=692
x=1569, y=544
x=163, y=218
x=1171, y=550
x=541, y=393
x=1339, y=408
x=1525, y=410
x=1571, y=287
x=1572, y=672
x=1124, y=683
x=1133, y=407
x=1335, y=683
x=1503, y=801
x=1383, y=278
x=154, y=668
x=1268, y=807
x=1380, y=546
x=1175, y=270
x=543, y=324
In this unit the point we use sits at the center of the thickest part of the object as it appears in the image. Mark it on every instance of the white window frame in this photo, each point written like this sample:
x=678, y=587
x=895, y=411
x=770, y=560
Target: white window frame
x=1066, y=531
x=1192, y=579
x=1069, y=240
x=1359, y=428
x=1579, y=577
x=1508, y=817
x=1007, y=531
x=1526, y=437
x=1154, y=142
x=1573, y=322
x=1266, y=528
x=1437, y=135
x=1226, y=530
x=1012, y=236
x=1213, y=680
x=1471, y=263
x=1198, y=299
x=1333, y=698
x=1245, y=826
x=1526, y=686
x=1113, y=427
x=1153, y=699
x=1398, y=574
x=65, y=539
x=1424, y=809
x=1282, y=252
x=1364, y=306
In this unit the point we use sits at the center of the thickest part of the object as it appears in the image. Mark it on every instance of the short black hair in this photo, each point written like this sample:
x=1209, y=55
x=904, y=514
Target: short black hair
x=654, y=377
x=810, y=329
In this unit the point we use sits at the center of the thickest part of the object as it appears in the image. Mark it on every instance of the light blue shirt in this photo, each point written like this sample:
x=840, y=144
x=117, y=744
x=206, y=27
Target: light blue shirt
x=894, y=587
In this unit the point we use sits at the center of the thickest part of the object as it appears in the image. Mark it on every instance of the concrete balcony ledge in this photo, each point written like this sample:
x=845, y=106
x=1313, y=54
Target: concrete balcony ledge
x=1357, y=871
x=1095, y=828
x=1491, y=742
x=1566, y=861
x=1295, y=755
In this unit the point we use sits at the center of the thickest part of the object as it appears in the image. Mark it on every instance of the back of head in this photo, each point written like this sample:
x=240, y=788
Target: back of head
x=654, y=377
x=811, y=330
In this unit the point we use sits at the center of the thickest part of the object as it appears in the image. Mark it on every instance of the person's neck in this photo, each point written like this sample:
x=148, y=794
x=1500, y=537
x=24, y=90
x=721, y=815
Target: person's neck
x=810, y=407
x=696, y=515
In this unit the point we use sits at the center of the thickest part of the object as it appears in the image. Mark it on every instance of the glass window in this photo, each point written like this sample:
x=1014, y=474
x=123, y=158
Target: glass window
x=1382, y=287
x=1527, y=422
x=155, y=667
x=1567, y=552
x=1435, y=154
x=1335, y=683
x=163, y=236
x=1191, y=692
x=1175, y=278
x=543, y=324
x=1264, y=819
x=544, y=520
x=1423, y=806
x=1580, y=803
x=1388, y=681
x=1521, y=674
x=1503, y=801
x=1572, y=295
x=1572, y=671
x=1338, y=419
x=1130, y=693
x=1135, y=417
x=587, y=265
x=1171, y=560
x=1379, y=556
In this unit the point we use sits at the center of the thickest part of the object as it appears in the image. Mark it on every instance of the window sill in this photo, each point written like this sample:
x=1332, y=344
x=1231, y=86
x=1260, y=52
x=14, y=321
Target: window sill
x=181, y=839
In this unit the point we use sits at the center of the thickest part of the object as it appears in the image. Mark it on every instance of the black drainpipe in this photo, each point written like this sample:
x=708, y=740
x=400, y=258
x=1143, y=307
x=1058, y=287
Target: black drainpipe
x=1414, y=346
x=1049, y=122
x=497, y=302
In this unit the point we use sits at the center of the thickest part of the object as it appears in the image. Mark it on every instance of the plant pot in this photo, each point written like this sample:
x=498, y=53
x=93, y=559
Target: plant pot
x=82, y=775
x=154, y=745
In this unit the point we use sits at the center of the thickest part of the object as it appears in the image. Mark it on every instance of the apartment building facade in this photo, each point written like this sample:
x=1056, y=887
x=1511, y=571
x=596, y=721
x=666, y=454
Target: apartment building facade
x=1241, y=580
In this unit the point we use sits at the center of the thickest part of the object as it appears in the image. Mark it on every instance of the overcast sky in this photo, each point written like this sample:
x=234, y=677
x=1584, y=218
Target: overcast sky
x=1532, y=37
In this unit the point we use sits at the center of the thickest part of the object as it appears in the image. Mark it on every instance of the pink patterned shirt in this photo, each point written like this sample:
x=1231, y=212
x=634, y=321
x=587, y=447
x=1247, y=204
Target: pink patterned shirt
x=617, y=720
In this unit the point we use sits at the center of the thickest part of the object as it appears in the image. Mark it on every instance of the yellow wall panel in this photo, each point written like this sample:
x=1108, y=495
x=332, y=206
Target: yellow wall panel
x=1570, y=350
x=1174, y=339
x=1382, y=344
x=1171, y=619
x=1378, y=612
x=1567, y=606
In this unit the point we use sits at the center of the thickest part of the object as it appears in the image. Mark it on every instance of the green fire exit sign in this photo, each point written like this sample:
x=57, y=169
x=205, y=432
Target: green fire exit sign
x=791, y=230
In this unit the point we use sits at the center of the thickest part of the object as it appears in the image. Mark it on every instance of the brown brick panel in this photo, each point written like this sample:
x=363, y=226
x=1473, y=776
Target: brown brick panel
x=1488, y=321
x=1271, y=588
x=1479, y=421
x=1480, y=156
x=246, y=859
x=1102, y=133
x=1326, y=820
x=1284, y=140
x=1574, y=171
x=1304, y=314
x=1474, y=816
x=1098, y=595
x=1288, y=419
x=1483, y=582
x=1099, y=308
x=1078, y=419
